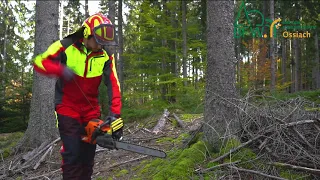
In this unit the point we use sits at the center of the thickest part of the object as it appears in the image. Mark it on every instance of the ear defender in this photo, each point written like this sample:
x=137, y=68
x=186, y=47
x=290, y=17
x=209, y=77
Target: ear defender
x=85, y=32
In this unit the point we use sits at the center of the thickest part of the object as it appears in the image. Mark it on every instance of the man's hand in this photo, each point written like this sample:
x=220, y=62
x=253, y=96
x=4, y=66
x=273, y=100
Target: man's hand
x=67, y=74
x=117, y=126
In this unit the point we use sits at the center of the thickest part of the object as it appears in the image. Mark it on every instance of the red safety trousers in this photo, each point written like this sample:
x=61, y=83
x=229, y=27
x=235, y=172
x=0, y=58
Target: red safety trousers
x=77, y=156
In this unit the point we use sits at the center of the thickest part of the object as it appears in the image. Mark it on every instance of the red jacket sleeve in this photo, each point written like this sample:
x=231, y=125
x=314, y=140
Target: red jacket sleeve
x=113, y=86
x=48, y=63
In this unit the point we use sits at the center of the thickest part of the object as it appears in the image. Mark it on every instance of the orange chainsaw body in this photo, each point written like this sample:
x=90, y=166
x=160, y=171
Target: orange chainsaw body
x=93, y=126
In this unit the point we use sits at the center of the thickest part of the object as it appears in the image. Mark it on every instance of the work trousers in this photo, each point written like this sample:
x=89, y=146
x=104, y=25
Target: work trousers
x=77, y=156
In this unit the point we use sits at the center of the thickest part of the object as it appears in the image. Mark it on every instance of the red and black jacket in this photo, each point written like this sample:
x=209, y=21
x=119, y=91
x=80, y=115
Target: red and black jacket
x=88, y=67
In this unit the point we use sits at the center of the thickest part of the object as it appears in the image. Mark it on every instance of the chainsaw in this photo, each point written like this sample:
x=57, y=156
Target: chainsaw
x=100, y=132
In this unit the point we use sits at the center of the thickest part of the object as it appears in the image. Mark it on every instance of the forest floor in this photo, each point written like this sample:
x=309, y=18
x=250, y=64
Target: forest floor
x=115, y=164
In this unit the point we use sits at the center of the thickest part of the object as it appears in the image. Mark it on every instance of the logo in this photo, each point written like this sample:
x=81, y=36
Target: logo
x=253, y=23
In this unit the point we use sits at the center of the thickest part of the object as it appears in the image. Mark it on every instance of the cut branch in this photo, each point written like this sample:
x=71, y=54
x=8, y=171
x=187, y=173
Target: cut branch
x=42, y=158
x=256, y=172
x=218, y=166
x=125, y=162
x=310, y=170
x=40, y=151
x=180, y=122
x=236, y=149
x=162, y=121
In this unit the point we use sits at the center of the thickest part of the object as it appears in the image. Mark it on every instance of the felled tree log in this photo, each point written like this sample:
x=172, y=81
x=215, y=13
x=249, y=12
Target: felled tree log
x=161, y=122
x=180, y=122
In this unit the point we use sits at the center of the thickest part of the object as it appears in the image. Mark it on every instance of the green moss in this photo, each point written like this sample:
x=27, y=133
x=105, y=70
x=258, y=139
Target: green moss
x=196, y=138
x=8, y=142
x=189, y=117
x=177, y=140
x=165, y=139
x=178, y=165
x=290, y=174
x=244, y=154
x=211, y=164
x=101, y=178
x=122, y=173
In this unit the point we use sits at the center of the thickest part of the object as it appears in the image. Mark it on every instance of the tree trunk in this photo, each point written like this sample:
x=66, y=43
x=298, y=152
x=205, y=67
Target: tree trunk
x=220, y=115
x=3, y=82
x=41, y=126
x=292, y=63
x=174, y=64
x=284, y=61
x=61, y=20
x=86, y=9
x=296, y=48
x=272, y=51
x=112, y=15
x=184, y=42
x=120, y=60
x=297, y=55
x=237, y=51
x=315, y=70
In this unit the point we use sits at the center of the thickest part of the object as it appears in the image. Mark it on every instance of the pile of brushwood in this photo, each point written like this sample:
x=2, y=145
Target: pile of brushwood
x=284, y=135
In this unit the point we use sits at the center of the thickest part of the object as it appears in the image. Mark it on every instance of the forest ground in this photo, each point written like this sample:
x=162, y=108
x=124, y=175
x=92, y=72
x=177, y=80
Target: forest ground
x=117, y=164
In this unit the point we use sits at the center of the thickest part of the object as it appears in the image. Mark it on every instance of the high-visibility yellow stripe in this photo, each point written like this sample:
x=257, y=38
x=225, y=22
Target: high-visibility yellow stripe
x=116, y=128
x=115, y=72
x=117, y=121
x=52, y=49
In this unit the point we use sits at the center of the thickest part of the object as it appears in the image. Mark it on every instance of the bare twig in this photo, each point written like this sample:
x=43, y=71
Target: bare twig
x=310, y=170
x=236, y=149
x=125, y=162
x=45, y=175
x=146, y=139
x=42, y=158
x=256, y=172
x=50, y=144
x=217, y=166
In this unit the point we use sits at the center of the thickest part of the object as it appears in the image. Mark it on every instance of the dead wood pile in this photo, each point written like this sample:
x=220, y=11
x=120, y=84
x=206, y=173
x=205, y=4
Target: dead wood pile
x=288, y=131
x=282, y=133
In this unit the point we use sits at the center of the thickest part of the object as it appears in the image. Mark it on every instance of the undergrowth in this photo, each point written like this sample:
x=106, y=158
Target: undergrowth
x=7, y=142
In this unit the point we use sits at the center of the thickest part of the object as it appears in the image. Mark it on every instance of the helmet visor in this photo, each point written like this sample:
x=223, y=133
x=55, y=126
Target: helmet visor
x=104, y=34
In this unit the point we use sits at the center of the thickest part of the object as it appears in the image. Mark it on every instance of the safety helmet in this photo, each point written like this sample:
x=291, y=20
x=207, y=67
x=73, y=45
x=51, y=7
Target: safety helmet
x=101, y=28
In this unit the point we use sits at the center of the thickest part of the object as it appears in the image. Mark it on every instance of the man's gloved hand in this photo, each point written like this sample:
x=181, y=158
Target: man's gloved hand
x=117, y=126
x=67, y=74
x=106, y=141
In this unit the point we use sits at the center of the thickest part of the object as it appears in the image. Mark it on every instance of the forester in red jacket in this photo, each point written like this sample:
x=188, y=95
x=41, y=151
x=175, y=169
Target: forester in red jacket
x=79, y=61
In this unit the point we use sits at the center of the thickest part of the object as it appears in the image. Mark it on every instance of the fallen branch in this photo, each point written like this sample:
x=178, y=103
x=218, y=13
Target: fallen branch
x=125, y=162
x=310, y=170
x=24, y=165
x=298, y=123
x=180, y=122
x=146, y=139
x=47, y=174
x=236, y=149
x=161, y=122
x=147, y=130
x=217, y=166
x=42, y=158
x=256, y=172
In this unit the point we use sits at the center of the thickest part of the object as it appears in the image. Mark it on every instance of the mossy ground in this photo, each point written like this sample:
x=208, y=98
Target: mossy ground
x=181, y=162
x=8, y=141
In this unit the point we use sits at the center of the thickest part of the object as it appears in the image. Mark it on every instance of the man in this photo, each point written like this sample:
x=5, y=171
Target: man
x=79, y=62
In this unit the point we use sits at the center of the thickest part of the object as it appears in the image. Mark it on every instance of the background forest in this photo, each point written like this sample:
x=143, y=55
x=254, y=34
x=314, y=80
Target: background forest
x=238, y=74
x=161, y=57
